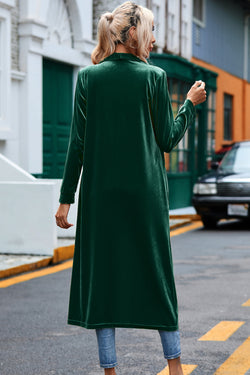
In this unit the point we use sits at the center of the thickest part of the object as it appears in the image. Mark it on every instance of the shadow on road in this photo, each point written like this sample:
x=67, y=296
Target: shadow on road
x=230, y=225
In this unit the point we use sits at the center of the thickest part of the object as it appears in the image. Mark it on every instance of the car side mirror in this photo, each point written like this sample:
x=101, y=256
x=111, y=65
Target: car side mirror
x=215, y=165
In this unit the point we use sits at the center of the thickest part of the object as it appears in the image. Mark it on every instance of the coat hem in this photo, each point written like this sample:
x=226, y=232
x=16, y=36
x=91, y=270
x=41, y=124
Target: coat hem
x=122, y=325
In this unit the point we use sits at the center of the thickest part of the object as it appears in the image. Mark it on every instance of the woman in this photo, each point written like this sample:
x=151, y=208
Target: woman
x=122, y=124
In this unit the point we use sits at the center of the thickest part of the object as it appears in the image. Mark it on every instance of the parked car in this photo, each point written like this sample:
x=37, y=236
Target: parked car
x=225, y=191
x=219, y=154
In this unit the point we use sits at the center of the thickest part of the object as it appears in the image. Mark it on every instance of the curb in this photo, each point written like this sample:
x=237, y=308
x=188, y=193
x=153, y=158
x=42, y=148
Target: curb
x=181, y=224
x=60, y=254
x=190, y=217
x=13, y=271
x=63, y=253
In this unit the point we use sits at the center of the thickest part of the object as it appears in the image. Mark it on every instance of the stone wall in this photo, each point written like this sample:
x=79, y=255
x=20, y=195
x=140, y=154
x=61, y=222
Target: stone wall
x=14, y=37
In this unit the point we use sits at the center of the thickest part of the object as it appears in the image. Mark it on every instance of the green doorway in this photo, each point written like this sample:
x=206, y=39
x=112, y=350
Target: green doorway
x=57, y=114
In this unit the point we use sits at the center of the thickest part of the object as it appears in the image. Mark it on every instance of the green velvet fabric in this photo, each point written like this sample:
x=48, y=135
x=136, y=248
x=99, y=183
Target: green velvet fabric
x=122, y=124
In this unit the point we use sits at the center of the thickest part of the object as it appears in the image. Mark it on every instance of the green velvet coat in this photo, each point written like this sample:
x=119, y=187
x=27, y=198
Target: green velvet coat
x=122, y=124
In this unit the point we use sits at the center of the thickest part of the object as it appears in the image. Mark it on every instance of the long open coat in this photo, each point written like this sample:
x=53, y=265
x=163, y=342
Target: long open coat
x=122, y=124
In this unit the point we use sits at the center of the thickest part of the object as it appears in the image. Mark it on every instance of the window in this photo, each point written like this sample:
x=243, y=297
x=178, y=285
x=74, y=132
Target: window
x=185, y=30
x=178, y=30
x=210, y=128
x=156, y=11
x=172, y=30
x=199, y=12
x=228, y=118
x=159, y=9
x=177, y=160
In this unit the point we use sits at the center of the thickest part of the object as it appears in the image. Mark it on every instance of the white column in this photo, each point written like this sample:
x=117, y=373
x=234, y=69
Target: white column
x=6, y=131
x=34, y=9
x=31, y=37
x=84, y=42
x=86, y=15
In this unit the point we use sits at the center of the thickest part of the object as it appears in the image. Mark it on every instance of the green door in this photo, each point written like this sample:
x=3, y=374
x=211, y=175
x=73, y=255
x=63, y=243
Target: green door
x=57, y=113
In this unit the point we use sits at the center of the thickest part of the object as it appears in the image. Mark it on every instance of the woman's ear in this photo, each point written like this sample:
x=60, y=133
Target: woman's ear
x=132, y=33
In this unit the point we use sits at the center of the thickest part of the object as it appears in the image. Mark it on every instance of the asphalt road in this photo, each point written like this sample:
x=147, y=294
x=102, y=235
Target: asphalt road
x=212, y=271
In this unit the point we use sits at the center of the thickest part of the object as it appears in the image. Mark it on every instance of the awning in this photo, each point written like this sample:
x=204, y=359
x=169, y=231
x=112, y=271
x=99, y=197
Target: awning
x=180, y=68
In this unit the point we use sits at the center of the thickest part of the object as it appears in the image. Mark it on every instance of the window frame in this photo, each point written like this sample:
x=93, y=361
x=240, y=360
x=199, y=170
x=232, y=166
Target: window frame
x=229, y=110
x=178, y=28
x=201, y=23
x=178, y=161
x=172, y=29
x=211, y=116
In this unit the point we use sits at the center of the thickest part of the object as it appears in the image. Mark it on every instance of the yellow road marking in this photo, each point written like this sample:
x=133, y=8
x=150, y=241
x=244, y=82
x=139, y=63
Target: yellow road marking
x=34, y=275
x=187, y=369
x=186, y=229
x=222, y=331
x=238, y=363
x=247, y=303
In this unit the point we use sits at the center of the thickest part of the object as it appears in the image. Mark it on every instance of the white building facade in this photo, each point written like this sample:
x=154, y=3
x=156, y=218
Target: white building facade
x=32, y=31
x=43, y=44
x=35, y=35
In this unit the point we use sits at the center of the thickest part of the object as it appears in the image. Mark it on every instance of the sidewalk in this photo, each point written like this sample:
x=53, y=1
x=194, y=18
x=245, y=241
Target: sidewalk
x=11, y=264
x=182, y=216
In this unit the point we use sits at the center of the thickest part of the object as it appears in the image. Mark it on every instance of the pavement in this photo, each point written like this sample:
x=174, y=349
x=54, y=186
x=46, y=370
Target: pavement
x=211, y=270
x=15, y=264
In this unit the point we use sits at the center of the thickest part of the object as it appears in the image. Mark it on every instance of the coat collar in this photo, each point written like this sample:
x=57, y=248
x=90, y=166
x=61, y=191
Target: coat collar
x=122, y=56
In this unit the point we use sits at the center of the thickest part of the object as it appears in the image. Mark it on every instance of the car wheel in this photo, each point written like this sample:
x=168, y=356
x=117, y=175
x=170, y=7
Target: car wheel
x=209, y=222
x=247, y=222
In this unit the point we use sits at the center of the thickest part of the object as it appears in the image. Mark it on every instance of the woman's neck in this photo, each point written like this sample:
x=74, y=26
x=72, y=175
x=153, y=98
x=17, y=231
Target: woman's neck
x=120, y=48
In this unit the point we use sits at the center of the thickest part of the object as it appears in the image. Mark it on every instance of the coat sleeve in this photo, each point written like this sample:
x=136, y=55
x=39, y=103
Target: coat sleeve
x=74, y=157
x=169, y=131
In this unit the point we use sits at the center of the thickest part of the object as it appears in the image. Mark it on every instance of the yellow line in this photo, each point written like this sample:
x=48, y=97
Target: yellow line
x=222, y=331
x=178, y=225
x=247, y=303
x=238, y=363
x=187, y=369
x=34, y=275
x=65, y=265
x=25, y=268
x=186, y=229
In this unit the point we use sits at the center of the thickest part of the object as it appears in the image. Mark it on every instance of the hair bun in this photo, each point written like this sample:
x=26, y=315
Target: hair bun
x=109, y=17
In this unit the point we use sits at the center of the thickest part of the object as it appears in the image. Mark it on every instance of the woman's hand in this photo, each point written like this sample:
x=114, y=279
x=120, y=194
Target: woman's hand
x=61, y=216
x=197, y=94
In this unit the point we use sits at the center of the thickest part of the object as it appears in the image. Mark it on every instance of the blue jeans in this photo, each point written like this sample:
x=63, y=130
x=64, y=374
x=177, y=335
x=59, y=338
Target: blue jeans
x=107, y=351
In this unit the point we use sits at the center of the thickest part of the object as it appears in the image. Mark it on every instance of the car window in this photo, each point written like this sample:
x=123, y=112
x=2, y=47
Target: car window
x=237, y=160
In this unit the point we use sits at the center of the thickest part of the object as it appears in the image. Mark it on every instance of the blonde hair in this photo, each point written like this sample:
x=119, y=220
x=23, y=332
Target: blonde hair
x=113, y=29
